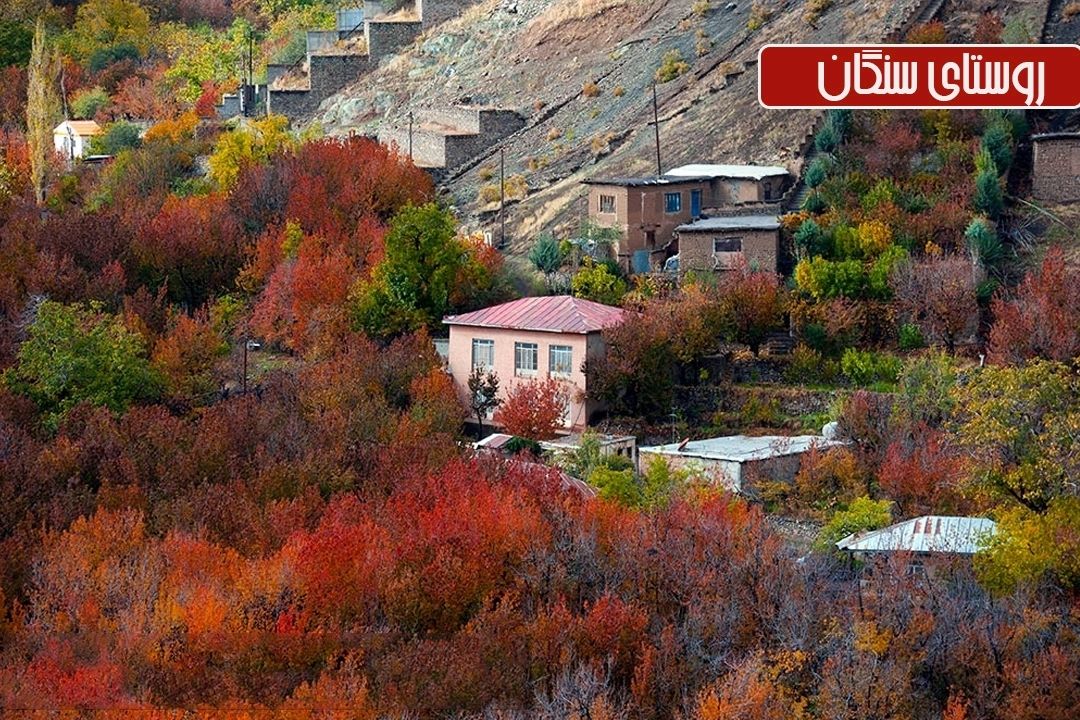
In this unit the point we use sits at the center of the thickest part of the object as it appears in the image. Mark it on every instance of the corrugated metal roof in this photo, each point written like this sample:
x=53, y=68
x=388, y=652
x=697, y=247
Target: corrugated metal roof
x=742, y=448
x=753, y=172
x=560, y=313
x=929, y=533
x=83, y=128
x=733, y=222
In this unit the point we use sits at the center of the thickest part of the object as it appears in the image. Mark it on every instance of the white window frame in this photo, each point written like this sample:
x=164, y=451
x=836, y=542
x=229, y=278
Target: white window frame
x=522, y=350
x=489, y=349
x=553, y=369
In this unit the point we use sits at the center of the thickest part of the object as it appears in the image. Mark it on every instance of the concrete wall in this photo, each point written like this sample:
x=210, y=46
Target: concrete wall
x=460, y=362
x=274, y=71
x=735, y=476
x=463, y=134
x=1055, y=173
x=386, y=38
x=320, y=39
x=760, y=248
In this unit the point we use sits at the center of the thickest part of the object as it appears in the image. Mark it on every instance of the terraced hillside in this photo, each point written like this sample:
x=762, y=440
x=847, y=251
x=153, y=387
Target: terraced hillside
x=580, y=72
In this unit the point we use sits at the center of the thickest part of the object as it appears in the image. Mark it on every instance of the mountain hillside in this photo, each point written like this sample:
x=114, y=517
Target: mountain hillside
x=580, y=72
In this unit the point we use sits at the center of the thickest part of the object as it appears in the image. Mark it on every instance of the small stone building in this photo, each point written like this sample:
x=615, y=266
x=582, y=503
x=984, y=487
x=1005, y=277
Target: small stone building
x=647, y=210
x=724, y=243
x=1055, y=175
x=738, y=460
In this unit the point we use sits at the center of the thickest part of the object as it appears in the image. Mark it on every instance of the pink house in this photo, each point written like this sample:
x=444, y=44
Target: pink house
x=534, y=337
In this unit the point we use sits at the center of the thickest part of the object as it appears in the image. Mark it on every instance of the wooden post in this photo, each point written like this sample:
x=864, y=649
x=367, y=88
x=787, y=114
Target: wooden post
x=656, y=127
x=502, y=197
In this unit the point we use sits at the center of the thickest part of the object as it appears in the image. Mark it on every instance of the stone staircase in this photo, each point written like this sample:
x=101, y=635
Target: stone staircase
x=443, y=139
x=336, y=58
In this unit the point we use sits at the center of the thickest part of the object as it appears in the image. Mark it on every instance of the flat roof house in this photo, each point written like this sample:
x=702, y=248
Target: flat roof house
x=736, y=459
x=647, y=210
x=532, y=338
x=71, y=138
x=724, y=243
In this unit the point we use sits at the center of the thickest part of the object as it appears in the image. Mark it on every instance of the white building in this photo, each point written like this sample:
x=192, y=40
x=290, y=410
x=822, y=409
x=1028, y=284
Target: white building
x=71, y=138
x=735, y=459
x=923, y=535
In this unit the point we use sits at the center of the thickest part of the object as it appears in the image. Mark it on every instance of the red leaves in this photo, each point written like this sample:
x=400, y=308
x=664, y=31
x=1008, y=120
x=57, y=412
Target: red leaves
x=535, y=409
x=1041, y=320
x=923, y=476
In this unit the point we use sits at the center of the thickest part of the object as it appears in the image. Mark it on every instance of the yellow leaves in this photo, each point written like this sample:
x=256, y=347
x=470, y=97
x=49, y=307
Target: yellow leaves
x=255, y=141
x=874, y=237
x=173, y=131
x=872, y=639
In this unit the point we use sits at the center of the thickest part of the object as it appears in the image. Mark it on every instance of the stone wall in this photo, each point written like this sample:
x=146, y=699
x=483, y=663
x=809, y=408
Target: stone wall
x=327, y=74
x=1055, y=175
x=320, y=40
x=759, y=248
x=453, y=136
x=386, y=38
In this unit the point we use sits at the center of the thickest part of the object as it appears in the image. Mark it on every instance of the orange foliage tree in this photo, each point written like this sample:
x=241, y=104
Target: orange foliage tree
x=535, y=409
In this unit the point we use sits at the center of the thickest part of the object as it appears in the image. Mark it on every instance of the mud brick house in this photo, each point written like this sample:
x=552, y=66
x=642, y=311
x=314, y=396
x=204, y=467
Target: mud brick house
x=726, y=243
x=532, y=338
x=1055, y=173
x=647, y=210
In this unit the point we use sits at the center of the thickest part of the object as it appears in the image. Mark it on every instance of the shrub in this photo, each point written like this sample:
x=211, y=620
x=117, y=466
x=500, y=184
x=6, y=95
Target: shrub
x=759, y=15
x=618, y=91
x=702, y=43
x=590, y=89
x=554, y=134
x=862, y=514
x=983, y=243
x=596, y=282
x=117, y=136
x=87, y=102
x=814, y=9
x=701, y=8
x=815, y=203
x=1070, y=11
x=810, y=239
x=616, y=485
x=671, y=66
x=807, y=366
x=829, y=476
x=911, y=337
x=865, y=367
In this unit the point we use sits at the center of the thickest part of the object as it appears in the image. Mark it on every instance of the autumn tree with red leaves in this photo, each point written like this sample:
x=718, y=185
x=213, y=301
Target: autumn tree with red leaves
x=938, y=294
x=1042, y=318
x=535, y=409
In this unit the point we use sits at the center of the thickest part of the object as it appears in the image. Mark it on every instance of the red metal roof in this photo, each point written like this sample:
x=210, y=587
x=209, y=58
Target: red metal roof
x=561, y=314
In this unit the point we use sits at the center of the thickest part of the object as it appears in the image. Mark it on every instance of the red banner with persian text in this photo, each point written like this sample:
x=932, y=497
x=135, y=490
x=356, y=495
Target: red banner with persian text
x=919, y=76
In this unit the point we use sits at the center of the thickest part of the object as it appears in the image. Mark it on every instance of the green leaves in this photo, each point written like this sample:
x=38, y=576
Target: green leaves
x=81, y=355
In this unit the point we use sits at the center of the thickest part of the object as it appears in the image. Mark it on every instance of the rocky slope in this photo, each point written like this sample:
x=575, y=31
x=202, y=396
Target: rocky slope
x=580, y=71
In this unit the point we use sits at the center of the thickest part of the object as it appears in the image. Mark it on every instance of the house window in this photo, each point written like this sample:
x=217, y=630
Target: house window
x=607, y=204
x=526, y=358
x=483, y=354
x=673, y=202
x=726, y=245
x=561, y=360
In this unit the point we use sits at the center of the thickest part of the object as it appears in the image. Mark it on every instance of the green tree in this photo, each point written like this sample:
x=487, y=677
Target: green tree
x=595, y=281
x=411, y=286
x=616, y=485
x=117, y=136
x=1020, y=426
x=546, y=255
x=862, y=514
x=42, y=108
x=81, y=355
x=107, y=23
x=87, y=102
x=16, y=42
x=989, y=198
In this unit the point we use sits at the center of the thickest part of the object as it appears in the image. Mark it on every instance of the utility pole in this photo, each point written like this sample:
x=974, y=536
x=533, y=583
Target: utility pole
x=656, y=127
x=502, y=197
x=410, y=133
